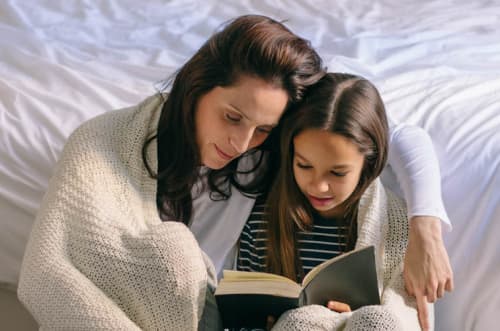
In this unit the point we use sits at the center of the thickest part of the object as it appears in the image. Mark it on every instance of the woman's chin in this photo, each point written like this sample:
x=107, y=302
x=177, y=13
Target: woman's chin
x=214, y=164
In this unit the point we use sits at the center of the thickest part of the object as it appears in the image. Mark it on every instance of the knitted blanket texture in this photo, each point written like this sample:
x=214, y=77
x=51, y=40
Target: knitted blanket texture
x=382, y=222
x=99, y=257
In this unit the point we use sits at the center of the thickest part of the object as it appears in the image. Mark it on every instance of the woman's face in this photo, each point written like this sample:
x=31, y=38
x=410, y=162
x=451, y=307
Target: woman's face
x=327, y=168
x=233, y=119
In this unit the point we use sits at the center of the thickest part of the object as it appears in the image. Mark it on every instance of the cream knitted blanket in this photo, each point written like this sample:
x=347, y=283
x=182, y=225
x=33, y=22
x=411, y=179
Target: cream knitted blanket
x=99, y=258
x=382, y=222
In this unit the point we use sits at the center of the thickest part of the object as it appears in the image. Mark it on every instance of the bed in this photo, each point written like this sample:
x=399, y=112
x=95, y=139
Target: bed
x=436, y=63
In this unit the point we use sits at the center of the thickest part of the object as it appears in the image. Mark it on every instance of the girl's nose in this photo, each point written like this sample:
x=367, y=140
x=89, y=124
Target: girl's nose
x=320, y=185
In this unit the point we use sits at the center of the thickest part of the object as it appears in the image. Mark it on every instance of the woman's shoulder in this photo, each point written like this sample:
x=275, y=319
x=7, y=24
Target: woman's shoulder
x=119, y=122
x=121, y=116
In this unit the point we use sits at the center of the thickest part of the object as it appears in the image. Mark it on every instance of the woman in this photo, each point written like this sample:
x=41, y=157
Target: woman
x=99, y=256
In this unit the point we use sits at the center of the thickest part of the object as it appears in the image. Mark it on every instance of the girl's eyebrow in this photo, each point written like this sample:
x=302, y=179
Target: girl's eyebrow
x=341, y=166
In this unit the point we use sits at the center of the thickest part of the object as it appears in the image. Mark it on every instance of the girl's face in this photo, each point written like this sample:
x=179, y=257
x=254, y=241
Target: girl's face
x=233, y=119
x=327, y=168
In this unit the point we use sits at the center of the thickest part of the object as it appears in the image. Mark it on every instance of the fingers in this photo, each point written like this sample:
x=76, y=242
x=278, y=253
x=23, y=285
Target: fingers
x=440, y=290
x=339, y=307
x=431, y=281
x=449, y=284
x=430, y=291
x=270, y=322
x=423, y=312
x=446, y=285
x=435, y=290
x=409, y=285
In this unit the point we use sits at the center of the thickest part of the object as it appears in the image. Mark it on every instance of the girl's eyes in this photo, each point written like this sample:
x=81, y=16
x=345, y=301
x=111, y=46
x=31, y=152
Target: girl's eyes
x=338, y=174
x=335, y=173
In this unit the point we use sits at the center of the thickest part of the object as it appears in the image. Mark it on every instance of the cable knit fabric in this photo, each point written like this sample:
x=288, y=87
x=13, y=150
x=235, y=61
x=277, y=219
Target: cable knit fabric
x=382, y=222
x=313, y=317
x=99, y=258
x=373, y=318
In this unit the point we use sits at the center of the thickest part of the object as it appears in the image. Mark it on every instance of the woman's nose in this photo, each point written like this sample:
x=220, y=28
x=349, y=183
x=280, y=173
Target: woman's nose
x=241, y=140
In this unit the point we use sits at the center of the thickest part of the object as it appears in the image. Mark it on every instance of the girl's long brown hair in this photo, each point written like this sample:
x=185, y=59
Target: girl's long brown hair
x=250, y=45
x=339, y=103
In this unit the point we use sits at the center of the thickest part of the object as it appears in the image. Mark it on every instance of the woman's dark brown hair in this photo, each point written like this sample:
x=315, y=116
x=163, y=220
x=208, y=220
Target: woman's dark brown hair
x=339, y=103
x=251, y=45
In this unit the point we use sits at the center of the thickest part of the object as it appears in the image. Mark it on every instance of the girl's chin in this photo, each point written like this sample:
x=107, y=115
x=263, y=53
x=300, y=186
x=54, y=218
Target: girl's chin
x=329, y=211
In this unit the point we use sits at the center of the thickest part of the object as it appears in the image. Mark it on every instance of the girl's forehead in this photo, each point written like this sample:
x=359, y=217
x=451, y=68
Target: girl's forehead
x=316, y=145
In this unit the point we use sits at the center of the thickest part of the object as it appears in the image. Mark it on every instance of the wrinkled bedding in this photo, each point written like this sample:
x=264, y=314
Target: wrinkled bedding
x=436, y=63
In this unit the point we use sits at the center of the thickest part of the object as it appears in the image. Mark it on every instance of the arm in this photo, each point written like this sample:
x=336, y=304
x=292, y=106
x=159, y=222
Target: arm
x=415, y=164
x=94, y=260
x=412, y=313
x=427, y=270
x=53, y=294
x=152, y=280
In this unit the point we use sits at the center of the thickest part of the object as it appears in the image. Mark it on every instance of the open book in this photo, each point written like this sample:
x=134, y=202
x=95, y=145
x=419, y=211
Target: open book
x=245, y=299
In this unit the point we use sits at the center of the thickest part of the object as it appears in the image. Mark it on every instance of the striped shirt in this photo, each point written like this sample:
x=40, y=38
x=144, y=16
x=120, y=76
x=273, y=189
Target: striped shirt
x=325, y=240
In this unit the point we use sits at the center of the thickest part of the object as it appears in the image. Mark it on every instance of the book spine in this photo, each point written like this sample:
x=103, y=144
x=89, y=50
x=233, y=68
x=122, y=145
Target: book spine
x=302, y=298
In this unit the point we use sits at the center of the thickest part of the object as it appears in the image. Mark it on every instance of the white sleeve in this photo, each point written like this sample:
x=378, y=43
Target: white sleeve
x=415, y=165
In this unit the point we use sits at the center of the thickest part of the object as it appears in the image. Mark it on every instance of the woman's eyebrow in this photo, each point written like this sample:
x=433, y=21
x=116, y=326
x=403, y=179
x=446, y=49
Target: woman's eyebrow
x=242, y=113
x=238, y=110
x=297, y=154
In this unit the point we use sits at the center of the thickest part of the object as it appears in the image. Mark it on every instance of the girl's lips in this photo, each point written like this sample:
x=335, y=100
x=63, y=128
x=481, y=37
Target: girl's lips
x=315, y=201
x=222, y=154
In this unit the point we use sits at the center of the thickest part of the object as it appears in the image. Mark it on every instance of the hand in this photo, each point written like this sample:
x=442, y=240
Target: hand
x=337, y=306
x=270, y=322
x=427, y=271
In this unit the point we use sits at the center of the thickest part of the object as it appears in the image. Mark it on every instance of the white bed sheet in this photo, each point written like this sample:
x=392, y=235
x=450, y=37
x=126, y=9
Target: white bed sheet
x=436, y=63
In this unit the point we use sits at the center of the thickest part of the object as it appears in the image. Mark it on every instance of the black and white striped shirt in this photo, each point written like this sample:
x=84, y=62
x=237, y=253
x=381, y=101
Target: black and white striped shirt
x=324, y=241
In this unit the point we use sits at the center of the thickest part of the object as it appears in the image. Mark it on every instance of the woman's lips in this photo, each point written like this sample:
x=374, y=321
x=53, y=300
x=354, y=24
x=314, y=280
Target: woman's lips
x=319, y=202
x=223, y=155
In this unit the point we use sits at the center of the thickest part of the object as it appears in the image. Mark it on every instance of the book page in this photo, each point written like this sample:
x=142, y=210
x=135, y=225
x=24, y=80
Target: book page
x=271, y=287
x=235, y=275
x=350, y=278
x=323, y=265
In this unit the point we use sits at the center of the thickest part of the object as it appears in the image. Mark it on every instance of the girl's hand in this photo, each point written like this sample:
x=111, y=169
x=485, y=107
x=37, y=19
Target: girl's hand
x=339, y=307
x=270, y=322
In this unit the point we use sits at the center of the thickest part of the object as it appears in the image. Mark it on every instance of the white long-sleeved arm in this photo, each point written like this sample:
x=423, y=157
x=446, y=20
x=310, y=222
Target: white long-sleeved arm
x=413, y=162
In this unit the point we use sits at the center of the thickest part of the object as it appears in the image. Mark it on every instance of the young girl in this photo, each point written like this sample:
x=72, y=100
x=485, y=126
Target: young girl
x=327, y=200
